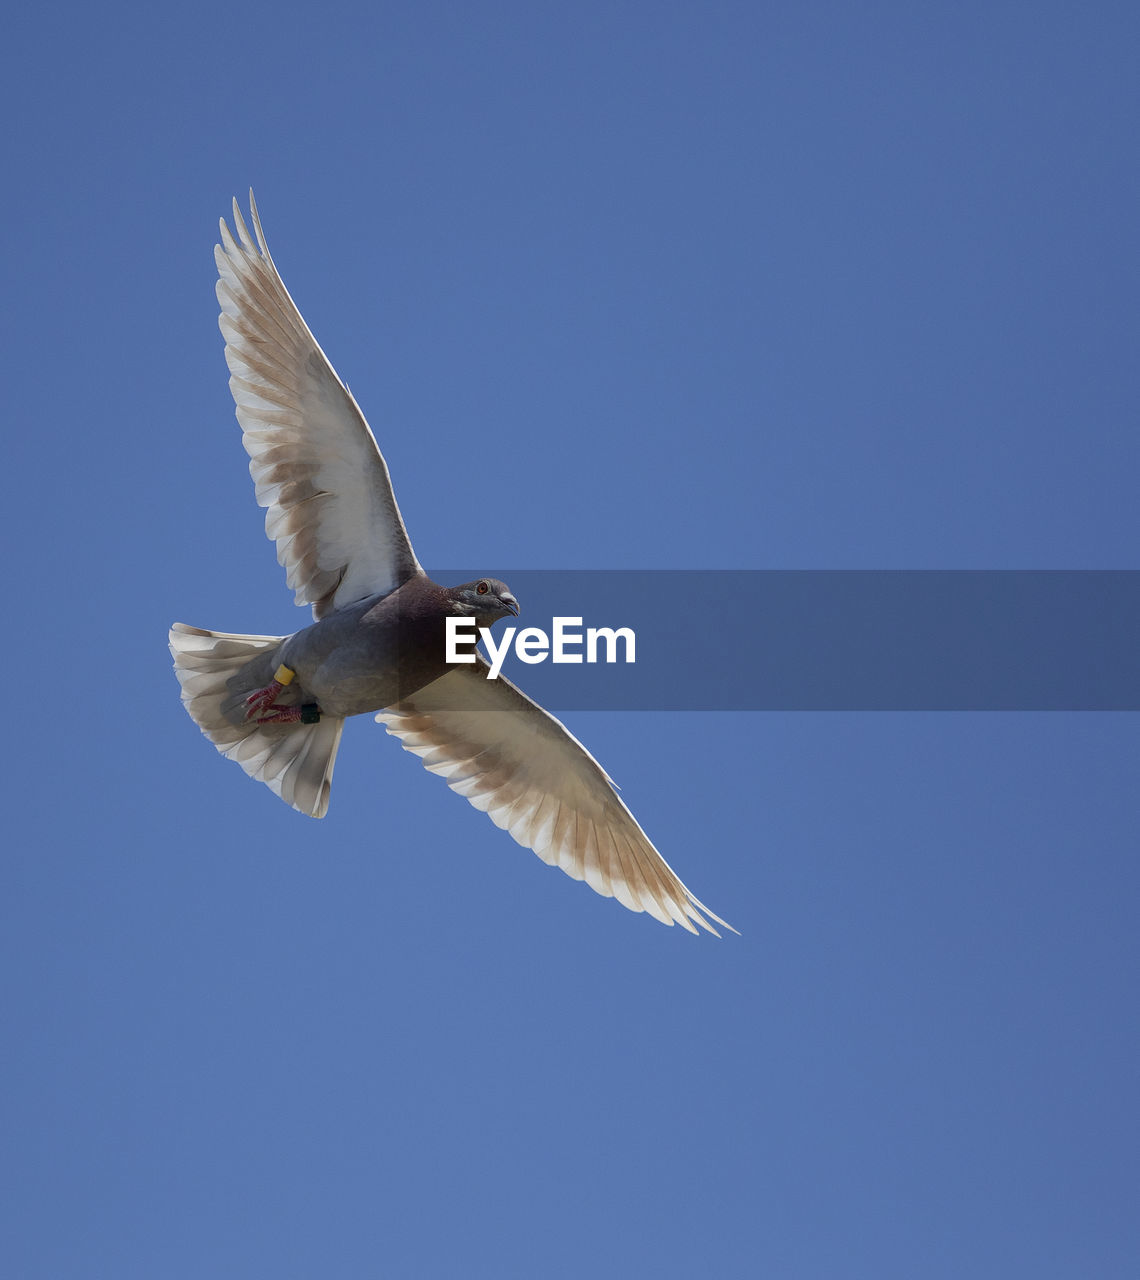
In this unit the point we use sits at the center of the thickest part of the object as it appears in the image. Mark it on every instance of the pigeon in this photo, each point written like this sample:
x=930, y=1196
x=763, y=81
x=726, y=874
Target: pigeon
x=277, y=704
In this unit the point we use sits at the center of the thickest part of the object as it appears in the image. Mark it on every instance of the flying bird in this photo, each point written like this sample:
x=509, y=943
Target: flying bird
x=277, y=704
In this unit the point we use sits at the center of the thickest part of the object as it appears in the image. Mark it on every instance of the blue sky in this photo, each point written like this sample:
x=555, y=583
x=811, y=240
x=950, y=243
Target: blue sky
x=619, y=286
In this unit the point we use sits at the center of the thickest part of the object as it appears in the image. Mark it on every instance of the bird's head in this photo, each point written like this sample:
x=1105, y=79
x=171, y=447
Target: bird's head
x=486, y=600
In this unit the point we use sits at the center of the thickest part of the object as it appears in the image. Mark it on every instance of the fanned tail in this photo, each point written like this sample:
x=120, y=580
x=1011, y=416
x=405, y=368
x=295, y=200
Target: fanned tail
x=294, y=760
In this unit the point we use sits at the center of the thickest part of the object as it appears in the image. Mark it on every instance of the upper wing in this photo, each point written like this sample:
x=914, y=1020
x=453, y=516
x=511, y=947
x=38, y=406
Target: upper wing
x=318, y=471
x=514, y=760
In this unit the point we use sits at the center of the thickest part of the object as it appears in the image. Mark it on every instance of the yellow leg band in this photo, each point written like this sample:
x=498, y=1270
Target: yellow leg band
x=284, y=675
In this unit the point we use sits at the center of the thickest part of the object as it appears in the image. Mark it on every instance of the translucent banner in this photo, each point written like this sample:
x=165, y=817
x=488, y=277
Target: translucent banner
x=820, y=640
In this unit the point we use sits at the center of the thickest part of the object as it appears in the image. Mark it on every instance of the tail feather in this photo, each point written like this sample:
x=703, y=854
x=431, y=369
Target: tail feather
x=294, y=760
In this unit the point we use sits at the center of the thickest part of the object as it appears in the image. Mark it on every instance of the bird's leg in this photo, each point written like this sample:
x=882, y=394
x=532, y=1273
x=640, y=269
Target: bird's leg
x=264, y=700
x=307, y=713
x=279, y=715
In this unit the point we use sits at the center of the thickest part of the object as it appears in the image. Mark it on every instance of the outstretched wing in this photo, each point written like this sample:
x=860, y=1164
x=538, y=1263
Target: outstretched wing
x=520, y=765
x=316, y=465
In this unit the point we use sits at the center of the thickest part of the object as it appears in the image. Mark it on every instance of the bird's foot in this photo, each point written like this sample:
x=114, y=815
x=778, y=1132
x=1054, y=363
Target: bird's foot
x=308, y=713
x=279, y=715
x=262, y=700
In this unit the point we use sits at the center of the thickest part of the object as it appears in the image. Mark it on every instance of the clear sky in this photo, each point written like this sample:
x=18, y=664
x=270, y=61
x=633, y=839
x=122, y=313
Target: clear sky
x=622, y=285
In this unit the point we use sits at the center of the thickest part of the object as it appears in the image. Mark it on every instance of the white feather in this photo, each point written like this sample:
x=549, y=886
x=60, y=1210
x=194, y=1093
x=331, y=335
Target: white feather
x=520, y=765
x=315, y=463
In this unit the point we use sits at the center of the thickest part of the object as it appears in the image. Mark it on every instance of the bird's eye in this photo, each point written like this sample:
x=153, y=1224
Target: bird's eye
x=482, y=589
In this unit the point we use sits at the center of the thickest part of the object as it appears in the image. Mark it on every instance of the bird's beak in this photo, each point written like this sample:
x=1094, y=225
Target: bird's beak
x=511, y=603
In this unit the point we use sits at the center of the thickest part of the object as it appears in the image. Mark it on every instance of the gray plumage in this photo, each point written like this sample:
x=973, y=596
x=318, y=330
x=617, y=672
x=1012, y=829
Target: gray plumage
x=377, y=640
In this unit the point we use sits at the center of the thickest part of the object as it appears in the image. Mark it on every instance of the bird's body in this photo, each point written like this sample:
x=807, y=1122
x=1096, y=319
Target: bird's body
x=277, y=704
x=360, y=659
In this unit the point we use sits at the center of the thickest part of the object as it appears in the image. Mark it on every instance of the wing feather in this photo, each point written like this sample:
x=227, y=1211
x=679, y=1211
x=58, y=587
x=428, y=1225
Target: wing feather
x=315, y=463
x=520, y=765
